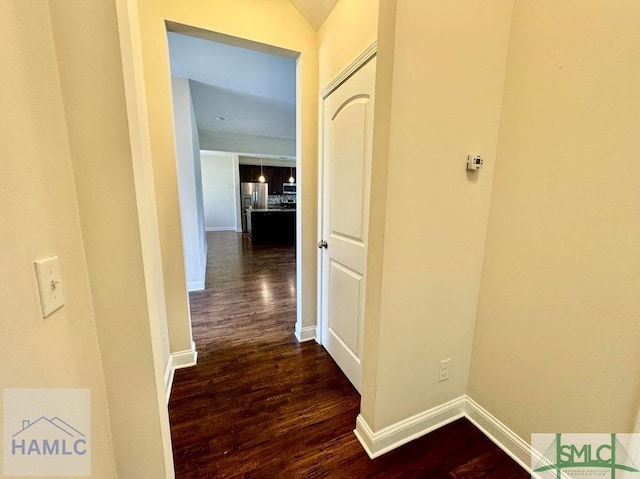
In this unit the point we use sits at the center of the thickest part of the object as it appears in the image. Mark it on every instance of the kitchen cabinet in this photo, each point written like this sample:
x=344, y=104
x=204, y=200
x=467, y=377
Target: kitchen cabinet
x=274, y=226
x=249, y=173
x=275, y=176
x=256, y=171
x=276, y=180
x=268, y=175
x=245, y=174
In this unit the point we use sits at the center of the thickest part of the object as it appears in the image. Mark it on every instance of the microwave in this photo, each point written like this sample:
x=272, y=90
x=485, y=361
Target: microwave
x=289, y=188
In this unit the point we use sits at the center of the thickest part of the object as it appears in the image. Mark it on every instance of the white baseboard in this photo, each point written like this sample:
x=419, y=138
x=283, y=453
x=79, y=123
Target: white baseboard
x=220, y=228
x=195, y=286
x=185, y=359
x=179, y=360
x=305, y=334
x=377, y=443
x=199, y=284
x=169, y=372
x=513, y=445
x=402, y=432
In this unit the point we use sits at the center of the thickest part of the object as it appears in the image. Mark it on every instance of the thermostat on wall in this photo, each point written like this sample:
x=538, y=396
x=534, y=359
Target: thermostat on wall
x=474, y=162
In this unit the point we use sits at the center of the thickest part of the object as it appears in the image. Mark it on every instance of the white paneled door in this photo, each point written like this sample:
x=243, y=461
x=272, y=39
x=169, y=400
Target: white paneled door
x=346, y=167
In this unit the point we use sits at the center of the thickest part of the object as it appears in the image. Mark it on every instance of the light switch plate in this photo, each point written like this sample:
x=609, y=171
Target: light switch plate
x=50, y=285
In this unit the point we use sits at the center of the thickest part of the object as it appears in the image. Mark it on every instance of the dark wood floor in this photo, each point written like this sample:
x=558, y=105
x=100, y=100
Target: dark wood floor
x=260, y=405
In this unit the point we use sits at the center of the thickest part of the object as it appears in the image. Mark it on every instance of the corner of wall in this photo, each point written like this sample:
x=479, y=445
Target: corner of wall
x=378, y=204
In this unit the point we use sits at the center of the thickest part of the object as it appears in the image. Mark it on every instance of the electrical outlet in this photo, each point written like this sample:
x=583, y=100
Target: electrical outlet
x=443, y=371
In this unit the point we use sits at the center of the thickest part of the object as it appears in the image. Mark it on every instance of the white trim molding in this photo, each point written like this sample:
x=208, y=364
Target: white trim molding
x=195, y=286
x=513, y=445
x=305, y=334
x=354, y=66
x=220, y=228
x=179, y=360
x=378, y=443
x=367, y=55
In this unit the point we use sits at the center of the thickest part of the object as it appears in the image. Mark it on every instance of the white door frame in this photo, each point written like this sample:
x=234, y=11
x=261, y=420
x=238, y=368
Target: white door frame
x=353, y=67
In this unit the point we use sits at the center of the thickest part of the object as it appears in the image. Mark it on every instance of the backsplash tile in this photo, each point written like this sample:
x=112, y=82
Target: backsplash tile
x=274, y=200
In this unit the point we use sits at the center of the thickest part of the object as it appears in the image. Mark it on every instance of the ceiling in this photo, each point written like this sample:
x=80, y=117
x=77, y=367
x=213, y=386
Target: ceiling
x=233, y=68
x=255, y=92
x=241, y=92
x=315, y=11
x=245, y=114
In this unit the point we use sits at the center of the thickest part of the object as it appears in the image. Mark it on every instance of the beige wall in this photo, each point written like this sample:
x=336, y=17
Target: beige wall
x=349, y=30
x=448, y=72
x=273, y=22
x=557, y=309
x=558, y=331
x=378, y=203
x=40, y=217
x=116, y=212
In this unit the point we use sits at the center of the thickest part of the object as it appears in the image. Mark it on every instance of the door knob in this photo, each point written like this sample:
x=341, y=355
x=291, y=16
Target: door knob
x=322, y=244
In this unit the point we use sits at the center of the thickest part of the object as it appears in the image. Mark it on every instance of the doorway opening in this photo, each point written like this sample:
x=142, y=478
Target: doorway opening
x=236, y=124
x=257, y=391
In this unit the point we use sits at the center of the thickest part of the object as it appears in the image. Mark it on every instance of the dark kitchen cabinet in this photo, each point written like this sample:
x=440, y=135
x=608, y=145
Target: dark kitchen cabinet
x=274, y=175
x=249, y=173
x=267, y=171
x=275, y=181
x=245, y=173
x=272, y=227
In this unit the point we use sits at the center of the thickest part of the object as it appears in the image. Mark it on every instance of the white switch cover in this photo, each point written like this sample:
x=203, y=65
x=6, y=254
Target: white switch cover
x=50, y=285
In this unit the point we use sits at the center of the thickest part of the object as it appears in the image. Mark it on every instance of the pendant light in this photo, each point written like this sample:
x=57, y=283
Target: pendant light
x=291, y=178
x=261, y=178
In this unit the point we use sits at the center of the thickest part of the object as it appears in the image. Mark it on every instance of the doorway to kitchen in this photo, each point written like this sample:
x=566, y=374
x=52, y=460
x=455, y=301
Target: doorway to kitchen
x=236, y=123
x=253, y=376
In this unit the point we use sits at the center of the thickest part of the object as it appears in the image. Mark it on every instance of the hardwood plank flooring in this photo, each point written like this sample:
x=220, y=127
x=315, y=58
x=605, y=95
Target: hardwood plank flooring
x=261, y=405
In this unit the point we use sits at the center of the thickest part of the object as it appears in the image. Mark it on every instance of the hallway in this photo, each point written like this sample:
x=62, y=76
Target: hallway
x=261, y=405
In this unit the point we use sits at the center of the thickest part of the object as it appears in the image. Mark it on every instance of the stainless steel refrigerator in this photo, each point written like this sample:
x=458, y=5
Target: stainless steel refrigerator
x=253, y=195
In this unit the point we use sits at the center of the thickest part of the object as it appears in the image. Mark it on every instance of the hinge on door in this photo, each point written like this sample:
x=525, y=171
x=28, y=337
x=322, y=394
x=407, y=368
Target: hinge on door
x=322, y=244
